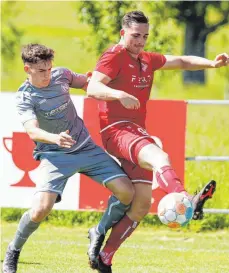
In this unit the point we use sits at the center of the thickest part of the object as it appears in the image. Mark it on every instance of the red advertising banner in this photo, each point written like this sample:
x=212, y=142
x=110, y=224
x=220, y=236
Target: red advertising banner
x=166, y=120
x=20, y=172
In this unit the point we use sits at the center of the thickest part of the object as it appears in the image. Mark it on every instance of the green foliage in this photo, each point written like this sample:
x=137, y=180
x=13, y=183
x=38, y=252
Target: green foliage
x=214, y=222
x=11, y=214
x=71, y=218
x=57, y=217
x=196, y=16
x=62, y=30
x=184, y=11
x=91, y=218
x=10, y=33
x=104, y=20
x=161, y=38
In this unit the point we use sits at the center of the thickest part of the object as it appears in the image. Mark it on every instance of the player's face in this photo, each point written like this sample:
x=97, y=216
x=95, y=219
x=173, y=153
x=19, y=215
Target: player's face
x=39, y=73
x=135, y=38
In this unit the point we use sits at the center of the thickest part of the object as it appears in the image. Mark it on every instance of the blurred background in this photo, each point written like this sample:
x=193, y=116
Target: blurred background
x=79, y=32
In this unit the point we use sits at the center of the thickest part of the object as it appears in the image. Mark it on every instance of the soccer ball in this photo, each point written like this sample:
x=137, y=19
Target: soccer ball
x=175, y=210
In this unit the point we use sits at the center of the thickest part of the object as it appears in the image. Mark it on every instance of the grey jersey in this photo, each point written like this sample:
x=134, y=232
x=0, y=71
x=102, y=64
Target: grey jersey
x=54, y=109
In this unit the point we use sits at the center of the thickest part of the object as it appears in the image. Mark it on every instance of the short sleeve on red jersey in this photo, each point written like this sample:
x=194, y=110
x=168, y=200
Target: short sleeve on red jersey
x=158, y=60
x=109, y=63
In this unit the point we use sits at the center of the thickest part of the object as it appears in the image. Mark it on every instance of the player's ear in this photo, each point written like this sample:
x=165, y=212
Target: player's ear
x=122, y=31
x=26, y=68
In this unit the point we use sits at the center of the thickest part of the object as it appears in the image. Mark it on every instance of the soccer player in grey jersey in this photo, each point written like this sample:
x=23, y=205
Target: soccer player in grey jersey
x=63, y=145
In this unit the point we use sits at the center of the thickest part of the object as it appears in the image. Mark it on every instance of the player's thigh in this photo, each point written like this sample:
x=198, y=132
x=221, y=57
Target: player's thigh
x=123, y=142
x=136, y=173
x=54, y=172
x=101, y=167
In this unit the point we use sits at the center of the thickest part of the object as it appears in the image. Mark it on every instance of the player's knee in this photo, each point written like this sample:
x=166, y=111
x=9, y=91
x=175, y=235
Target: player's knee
x=126, y=195
x=153, y=157
x=123, y=189
x=140, y=211
x=160, y=160
x=163, y=157
x=38, y=214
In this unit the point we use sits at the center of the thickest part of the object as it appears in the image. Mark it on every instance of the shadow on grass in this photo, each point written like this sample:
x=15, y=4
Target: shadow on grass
x=25, y=263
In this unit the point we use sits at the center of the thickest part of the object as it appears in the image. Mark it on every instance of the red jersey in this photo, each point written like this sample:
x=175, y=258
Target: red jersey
x=131, y=76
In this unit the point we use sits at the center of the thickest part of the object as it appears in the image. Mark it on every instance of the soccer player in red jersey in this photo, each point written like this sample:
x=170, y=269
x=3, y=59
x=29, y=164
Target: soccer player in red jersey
x=122, y=82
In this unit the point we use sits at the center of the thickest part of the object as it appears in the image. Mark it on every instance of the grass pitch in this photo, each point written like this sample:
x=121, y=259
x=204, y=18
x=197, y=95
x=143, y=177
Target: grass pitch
x=59, y=249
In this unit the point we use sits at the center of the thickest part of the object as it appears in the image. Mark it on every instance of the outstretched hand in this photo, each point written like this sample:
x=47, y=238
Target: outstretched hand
x=221, y=60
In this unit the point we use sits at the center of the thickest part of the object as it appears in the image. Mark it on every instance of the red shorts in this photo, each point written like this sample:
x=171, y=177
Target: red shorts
x=124, y=140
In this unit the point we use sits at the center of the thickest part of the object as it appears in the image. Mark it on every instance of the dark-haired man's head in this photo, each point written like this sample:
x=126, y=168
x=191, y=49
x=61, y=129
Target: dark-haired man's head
x=37, y=61
x=137, y=17
x=134, y=32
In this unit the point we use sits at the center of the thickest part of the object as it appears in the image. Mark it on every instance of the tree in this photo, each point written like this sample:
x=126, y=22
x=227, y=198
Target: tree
x=10, y=35
x=195, y=16
x=104, y=19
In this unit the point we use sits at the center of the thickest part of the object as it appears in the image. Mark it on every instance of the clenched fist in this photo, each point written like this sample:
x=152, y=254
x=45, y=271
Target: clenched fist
x=221, y=60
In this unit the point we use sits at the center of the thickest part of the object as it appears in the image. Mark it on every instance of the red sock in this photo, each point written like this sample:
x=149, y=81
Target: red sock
x=122, y=230
x=168, y=180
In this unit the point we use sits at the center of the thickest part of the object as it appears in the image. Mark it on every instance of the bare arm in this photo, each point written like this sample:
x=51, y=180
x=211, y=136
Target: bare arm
x=63, y=139
x=194, y=62
x=98, y=89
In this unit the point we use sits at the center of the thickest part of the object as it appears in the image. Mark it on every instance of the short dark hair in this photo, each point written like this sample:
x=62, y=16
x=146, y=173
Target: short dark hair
x=33, y=53
x=134, y=17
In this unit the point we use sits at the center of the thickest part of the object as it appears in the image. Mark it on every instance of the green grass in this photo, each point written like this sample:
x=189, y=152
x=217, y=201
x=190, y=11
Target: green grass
x=59, y=249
